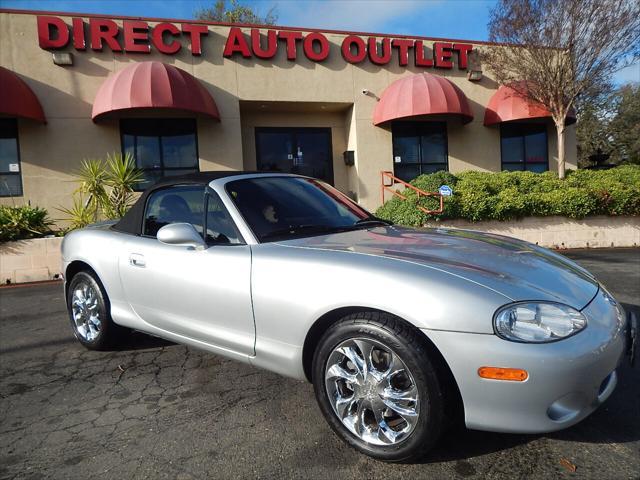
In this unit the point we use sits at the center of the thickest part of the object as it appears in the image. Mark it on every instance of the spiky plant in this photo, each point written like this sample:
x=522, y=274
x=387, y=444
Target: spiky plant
x=92, y=178
x=17, y=223
x=121, y=177
x=80, y=214
x=105, y=190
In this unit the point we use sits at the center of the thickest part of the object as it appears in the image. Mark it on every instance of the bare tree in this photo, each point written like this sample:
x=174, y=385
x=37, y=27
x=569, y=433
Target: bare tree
x=559, y=50
x=235, y=12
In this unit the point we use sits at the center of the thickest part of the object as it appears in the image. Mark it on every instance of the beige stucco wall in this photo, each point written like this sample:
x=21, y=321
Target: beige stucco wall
x=50, y=153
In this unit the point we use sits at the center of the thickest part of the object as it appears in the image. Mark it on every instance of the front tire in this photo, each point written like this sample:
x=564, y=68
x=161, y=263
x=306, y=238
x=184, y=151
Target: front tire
x=378, y=388
x=89, y=312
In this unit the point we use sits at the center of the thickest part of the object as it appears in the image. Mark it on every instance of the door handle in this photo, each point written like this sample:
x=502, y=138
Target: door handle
x=137, y=260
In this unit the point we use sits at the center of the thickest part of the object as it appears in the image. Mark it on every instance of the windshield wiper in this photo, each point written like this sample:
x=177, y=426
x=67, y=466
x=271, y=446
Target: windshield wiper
x=372, y=221
x=302, y=229
x=311, y=229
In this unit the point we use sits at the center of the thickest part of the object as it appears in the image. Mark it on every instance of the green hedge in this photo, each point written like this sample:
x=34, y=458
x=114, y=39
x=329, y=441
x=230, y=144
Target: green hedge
x=18, y=223
x=509, y=195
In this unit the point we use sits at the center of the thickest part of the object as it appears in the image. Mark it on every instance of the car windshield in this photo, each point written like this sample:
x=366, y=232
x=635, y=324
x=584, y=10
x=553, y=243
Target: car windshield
x=278, y=208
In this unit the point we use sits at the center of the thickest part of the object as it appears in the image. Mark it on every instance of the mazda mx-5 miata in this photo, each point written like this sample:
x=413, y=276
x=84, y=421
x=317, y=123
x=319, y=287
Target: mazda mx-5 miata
x=398, y=329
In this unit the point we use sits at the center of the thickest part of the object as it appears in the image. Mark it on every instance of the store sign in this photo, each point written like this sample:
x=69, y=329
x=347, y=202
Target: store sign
x=354, y=48
x=139, y=37
x=133, y=36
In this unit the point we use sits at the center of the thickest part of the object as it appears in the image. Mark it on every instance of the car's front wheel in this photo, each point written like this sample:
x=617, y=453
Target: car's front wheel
x=88, y=307
x=377, y=387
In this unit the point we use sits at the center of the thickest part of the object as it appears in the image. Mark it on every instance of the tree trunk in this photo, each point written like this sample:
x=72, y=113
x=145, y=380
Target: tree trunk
x=560, y=133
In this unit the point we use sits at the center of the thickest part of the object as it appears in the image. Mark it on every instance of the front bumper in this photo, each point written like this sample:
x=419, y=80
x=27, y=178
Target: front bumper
x=567, y=379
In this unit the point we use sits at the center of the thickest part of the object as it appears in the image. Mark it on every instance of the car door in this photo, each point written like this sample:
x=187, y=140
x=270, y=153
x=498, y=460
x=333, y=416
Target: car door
x=202, y=294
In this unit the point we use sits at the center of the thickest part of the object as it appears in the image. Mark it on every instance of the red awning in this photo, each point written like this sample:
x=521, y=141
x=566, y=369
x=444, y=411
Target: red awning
x=507, y=105
x=17, y=99
x=144, y=85
x=421, y=94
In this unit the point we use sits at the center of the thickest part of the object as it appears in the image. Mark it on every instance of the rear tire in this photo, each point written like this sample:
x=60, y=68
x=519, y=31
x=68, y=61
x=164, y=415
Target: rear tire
x=386, y=402
x=89, y=312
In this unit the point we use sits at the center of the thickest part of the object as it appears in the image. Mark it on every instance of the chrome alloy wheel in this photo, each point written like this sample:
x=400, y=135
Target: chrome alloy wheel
x=372, y=391
x=86, y=311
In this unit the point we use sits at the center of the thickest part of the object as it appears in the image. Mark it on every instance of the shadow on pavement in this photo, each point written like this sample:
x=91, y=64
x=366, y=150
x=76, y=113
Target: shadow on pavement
x=461, y=444
x=140, y=341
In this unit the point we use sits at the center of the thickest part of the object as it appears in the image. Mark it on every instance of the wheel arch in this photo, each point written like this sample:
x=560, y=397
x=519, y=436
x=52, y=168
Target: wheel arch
x=455, y=406
x=75, y=267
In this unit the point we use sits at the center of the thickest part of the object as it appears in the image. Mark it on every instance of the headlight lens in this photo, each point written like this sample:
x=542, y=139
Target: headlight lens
x=537, y=322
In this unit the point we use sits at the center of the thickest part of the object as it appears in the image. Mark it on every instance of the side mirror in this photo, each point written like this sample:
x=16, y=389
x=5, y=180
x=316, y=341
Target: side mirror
x=182, y=235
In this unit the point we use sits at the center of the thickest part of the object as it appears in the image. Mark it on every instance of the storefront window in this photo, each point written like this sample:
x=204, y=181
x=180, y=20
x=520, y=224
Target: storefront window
x=161, y=147
x=523, y=146
x=419, y=147
x=10, y=176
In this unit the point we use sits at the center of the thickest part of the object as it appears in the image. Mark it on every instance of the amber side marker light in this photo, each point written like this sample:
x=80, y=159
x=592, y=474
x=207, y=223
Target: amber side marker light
x=497, y=373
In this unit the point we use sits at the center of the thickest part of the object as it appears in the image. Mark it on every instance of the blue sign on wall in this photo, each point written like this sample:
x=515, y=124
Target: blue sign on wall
x=445, y=191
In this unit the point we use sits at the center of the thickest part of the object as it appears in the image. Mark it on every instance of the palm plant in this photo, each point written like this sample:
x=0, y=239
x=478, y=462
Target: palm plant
x=80, y=214
x=105, y=190
x=121, y=177
x=92, y=180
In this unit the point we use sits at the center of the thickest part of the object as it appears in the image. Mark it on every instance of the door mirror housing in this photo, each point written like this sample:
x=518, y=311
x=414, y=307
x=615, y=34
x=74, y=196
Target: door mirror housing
x=181, y=235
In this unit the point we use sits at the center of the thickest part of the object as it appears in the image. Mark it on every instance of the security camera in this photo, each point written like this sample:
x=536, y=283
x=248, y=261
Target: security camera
x=369, y=93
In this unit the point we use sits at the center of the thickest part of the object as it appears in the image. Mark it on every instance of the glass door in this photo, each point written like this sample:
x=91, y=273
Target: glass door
x=304, y=151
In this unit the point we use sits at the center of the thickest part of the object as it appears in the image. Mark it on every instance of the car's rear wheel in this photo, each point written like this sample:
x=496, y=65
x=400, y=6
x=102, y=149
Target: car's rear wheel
x=377, y=386
x=88, y=307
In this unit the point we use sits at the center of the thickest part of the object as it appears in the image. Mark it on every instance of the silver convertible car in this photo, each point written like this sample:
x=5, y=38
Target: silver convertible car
x=400, y=330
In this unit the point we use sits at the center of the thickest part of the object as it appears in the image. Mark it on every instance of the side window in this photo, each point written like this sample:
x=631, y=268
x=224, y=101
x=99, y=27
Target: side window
x=174, y=205
x=10, y=176
x=221, y=228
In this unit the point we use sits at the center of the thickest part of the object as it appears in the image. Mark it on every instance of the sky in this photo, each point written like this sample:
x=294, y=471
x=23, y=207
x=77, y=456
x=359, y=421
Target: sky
x=461, y=19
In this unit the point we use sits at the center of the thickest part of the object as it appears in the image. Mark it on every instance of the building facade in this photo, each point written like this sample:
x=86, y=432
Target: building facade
x=182, y=96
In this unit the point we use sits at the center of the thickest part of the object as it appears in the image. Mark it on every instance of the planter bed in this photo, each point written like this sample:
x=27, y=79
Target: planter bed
x=32, y=260
x=561, y=232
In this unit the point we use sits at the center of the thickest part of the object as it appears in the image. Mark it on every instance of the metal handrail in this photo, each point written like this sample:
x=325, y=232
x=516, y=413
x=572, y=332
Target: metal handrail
x=394, y=180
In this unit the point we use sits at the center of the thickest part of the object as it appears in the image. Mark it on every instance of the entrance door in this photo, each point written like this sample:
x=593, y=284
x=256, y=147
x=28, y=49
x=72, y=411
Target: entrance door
x=305, y=151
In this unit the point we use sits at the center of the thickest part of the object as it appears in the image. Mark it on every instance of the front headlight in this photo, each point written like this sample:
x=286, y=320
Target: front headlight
x=537, y=322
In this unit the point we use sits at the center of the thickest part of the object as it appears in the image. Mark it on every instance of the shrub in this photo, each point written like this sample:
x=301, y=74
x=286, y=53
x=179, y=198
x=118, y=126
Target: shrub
x=17, y=223
x=509, y=195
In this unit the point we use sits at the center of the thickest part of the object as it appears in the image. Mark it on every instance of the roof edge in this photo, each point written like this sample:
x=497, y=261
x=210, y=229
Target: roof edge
x=245, y=25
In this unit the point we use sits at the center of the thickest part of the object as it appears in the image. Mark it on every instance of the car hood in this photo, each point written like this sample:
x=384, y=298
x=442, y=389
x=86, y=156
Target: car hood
x=514, y=268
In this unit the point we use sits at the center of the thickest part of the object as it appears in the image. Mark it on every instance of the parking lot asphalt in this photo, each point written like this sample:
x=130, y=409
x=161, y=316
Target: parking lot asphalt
x=154, y=409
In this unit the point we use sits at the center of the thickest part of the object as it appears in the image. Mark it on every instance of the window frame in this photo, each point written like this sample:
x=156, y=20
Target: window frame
x=524, y=126
x=208, y=192
x=251, y=227
x=14, y=124
x=419, y=126
x=170, y=187
x=162, y=168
